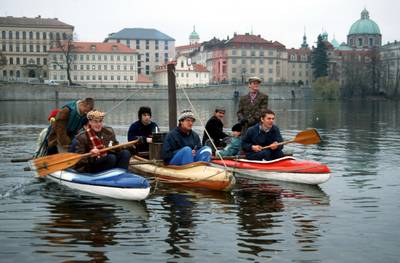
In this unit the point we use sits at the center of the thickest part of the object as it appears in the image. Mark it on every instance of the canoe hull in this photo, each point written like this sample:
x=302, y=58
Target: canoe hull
x=115, y=183
x=286, y=169
x=196, y=175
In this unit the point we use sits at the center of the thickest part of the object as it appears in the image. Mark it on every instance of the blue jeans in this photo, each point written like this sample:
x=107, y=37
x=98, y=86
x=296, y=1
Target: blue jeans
x=266, y=154
x=185, y=156
x=111, y=160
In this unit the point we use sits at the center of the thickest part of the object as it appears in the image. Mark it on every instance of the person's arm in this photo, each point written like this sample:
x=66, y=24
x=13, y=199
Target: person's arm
x=60, y=128
x=247, y=141
x=169, y=149
x=132, y=132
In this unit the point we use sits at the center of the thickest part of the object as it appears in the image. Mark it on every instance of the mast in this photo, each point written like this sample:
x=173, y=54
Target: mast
x=171, y=95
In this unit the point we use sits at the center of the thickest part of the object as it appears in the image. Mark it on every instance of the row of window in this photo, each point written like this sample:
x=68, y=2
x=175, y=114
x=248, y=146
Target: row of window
x=360, y=42
x=93, y=77
x=307, y=65
x=93, y=57
x=155, y=43
x=32, y=35
x=18, y=74
x=97, y=67
x=182, y=75
x=300, y=73
x=252, y=53
x=252, y=70
x=252, y=61
x=24, y=48
x=26, y=61
x=302, y=58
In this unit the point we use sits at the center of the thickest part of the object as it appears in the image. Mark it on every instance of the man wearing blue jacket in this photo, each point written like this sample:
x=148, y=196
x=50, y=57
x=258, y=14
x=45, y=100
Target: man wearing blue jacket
x=264, y=133
x=182, y=145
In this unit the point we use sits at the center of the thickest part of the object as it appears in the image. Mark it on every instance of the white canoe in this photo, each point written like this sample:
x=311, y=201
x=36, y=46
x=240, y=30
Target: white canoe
x=114, y=183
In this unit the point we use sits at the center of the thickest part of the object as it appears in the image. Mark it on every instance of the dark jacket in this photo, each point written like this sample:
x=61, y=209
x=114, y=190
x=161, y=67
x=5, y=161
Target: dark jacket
x=139, y=129
x=256, y=136
x=84, y=145
x=215, y=128
x=252, y=111
x=67, y=125
x=176, y=140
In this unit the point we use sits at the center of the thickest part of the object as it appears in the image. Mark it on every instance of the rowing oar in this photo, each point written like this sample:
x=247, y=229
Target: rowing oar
x=22, y=160
x=304, y=137
x=57, y=162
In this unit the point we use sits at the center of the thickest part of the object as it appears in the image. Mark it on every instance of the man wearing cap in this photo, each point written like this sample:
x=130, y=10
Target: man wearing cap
x=68, y=123
x=265, y=133
x=215, y=127
x=143, y=127
x=93, y=139
x=252, y=104
x=182, y=145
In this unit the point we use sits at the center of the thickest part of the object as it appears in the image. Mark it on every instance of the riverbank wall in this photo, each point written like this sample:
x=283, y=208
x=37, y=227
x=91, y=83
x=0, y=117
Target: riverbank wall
x=40, y=92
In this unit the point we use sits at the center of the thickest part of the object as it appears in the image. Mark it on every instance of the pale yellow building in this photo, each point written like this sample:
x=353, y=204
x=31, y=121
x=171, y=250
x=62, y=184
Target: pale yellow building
x=299, y=69
x=25, y=43
x=96, y=64
x=187, y=74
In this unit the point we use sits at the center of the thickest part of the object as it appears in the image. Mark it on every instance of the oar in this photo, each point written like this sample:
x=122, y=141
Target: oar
x=23, y=160
x=304, y=137
x=52, y=163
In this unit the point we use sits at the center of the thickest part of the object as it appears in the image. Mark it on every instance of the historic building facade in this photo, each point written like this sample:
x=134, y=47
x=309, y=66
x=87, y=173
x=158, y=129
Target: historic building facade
x=187, y=74
x=154, y=47
x=24, y=42
x=364, y=33
x=95, y=64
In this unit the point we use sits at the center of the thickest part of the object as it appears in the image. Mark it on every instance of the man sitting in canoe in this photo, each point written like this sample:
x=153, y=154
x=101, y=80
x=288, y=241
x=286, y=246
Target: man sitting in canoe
x=262, y=135
x=182, y=145
x=143, y=127
x=96, y=137
x=67, y=124
x=215, y=127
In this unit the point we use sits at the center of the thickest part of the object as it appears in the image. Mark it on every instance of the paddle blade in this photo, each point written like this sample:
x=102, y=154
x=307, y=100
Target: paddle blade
x=308, y=137
x=45, y=165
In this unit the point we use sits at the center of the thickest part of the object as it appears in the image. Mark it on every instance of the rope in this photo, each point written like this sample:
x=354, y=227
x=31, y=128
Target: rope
x=119, y=103
x=202, y=124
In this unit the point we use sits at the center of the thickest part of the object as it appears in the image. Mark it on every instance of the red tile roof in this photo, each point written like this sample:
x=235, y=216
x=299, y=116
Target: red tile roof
x=254, y=39
x=97, y=47
x=196, y=45
x=143, y=79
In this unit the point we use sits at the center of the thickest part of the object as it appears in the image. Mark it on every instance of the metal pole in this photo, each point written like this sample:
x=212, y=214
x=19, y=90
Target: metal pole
x=171, y=95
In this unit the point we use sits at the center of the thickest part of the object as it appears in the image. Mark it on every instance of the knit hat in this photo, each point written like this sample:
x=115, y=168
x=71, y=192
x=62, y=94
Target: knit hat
x=237, y=127
x=53, y=114
x=186, y=114
x=143, y=110
x=219, y=109
x=95, y=115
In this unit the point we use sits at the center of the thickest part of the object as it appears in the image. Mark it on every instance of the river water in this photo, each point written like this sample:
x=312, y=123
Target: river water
x=354, y=217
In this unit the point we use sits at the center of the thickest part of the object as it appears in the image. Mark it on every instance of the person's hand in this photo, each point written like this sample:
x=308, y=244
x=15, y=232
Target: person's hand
x=149, y=140
x=274, y=145
x=95, y=152
x=256, y=148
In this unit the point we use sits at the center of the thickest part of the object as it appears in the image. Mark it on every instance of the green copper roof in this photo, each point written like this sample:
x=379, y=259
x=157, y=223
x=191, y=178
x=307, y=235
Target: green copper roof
x=334, y=43
x=194, y=34
x=364, y=25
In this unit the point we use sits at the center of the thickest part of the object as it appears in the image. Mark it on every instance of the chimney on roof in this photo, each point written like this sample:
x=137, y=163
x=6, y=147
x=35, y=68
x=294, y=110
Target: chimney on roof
x=55, y=18
x=234, y=34
x=259, y=35
x=39, y=16
x=247, y=34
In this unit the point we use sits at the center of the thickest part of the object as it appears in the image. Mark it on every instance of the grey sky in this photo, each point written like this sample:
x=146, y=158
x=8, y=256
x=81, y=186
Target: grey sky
x=283, y=20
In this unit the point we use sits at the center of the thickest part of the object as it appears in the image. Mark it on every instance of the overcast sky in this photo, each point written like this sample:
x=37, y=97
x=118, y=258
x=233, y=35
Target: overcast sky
x=282, y=20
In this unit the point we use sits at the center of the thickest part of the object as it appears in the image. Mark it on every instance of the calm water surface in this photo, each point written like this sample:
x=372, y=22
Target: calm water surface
x=354, y=217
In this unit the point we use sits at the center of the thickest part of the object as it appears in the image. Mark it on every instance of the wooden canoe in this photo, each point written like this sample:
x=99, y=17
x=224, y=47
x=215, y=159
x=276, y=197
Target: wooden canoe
x=197, y=175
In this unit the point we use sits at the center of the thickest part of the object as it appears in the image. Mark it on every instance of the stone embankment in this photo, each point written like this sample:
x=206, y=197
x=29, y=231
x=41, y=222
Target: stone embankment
x=16, y=92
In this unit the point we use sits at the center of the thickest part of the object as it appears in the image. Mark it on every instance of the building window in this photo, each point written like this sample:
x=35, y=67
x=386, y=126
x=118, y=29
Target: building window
x=37, y=35
x=37, y=48
x=165, y=57
x=24, y=61
x=244, y=53
x=233, y=71
x=261, y=70
x=128, y=42
x=44, y=61
x=147, y=57
x=234, y=52
x=157, y=59
x=37, y=61
x=147, y=70
x=124, y=58
x=3, y=35
x=147, y=44
x=253, y=53
x=137, y=44
x=17, y=61
x=17, y=35
x=30, y=35
x=234, y=61
x=44, y=48
x=165, y=45
x=156, y=45
x=360, y=42
x=10, y=35
x=23, y=35
x=11, y=61
x=371, y=42
x=44, y=35
x=10, y=48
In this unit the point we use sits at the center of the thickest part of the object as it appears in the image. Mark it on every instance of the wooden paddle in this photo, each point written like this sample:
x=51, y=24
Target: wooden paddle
x=45, y=165
x=304, y=137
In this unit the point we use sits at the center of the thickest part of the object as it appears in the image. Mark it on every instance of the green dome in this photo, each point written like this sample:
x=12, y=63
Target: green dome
x=364, y=25
x=194, y=34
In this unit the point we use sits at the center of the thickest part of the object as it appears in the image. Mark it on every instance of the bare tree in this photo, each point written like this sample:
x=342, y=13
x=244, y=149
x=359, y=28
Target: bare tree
x=68, y=50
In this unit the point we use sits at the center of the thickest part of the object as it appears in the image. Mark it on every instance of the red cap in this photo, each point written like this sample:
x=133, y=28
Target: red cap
x=53, y=114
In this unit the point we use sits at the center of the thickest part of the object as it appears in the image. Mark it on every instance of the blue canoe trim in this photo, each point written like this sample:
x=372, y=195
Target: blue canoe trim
x=112, y=178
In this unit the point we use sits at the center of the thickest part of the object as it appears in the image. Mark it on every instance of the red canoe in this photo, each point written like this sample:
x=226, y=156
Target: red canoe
x=287, y=169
